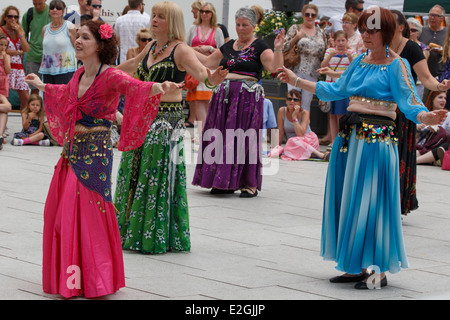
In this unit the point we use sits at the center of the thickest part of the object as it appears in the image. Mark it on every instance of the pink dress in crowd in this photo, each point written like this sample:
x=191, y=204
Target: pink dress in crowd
x=82, y=252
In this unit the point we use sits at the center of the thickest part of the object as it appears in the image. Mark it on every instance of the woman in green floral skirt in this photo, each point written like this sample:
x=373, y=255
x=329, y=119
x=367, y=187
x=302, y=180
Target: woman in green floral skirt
x=150, y=197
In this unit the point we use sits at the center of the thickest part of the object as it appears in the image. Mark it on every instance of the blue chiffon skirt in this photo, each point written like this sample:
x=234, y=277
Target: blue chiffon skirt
x=362, y=226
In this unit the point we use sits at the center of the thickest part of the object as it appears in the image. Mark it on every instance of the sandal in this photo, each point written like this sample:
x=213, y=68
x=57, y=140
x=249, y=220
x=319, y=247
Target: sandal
x=188, y=124
x=248, y=193
x=326, y=156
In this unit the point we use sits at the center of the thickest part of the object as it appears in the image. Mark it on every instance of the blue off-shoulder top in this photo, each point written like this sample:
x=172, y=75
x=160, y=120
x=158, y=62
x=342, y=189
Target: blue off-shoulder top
x=380, y=82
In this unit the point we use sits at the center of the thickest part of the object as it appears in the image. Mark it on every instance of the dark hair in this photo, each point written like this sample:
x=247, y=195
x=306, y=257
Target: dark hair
x=294, y=92
x=107, y=48
x=387, y=22
x=401, y=21
x=352, y=4
x=56, y=2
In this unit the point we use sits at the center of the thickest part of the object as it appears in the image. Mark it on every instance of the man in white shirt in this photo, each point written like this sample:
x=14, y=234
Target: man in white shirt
x=127, y=26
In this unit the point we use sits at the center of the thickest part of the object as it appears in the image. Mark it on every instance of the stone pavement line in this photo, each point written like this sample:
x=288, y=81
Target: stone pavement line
x=244, y=249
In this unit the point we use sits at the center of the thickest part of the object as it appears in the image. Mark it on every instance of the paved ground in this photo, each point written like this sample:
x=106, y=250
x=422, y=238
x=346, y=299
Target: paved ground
x=265, y=248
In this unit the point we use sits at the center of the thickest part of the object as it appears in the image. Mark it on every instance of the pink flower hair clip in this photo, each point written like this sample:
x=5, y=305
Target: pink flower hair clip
x=106, y=31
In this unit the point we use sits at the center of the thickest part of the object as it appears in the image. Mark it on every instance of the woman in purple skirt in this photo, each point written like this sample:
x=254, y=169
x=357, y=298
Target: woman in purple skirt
x=229, y=156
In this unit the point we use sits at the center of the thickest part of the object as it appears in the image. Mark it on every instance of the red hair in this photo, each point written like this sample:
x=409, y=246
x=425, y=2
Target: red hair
x=387, y=22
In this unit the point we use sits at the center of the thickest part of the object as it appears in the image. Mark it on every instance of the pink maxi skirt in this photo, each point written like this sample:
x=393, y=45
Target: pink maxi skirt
x=82, y=252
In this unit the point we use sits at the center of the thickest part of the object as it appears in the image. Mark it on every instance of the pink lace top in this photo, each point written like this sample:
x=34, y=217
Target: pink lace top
x=64, y=109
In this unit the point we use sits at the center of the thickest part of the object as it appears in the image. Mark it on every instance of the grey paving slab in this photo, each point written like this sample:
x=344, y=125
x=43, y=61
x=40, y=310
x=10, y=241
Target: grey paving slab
x=246, y=249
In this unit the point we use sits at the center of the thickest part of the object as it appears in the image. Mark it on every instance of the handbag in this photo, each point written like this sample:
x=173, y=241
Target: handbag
x=190, y=83
x=291, y=57
x=325, y=106
x=446, y=160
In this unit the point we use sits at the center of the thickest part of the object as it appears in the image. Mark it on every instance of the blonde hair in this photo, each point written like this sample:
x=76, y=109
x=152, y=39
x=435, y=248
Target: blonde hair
x=31, y=98
x=197, y=4
x=310, y=6
x=353, y=18
x=174, y=18
x=213, y=22
x=259, y=12
x=445, y=47
x=141, y=32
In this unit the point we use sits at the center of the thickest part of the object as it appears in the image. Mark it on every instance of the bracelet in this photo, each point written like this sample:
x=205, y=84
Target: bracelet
x=277, y=50
x=294, y=120
x=295, y=84
x=437, y=87
x=420, y=117
x=209, y=85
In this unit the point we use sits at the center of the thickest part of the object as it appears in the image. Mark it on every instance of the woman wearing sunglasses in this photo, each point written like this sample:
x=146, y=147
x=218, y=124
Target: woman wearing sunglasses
x=204, y=36
x=312, y=43
x=293, y=122
x=58, y=52
x=362, y=227
x=143, y=37
x=10, y=26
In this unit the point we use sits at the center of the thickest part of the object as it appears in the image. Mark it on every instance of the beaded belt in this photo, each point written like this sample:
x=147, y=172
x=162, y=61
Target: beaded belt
x=369, y=127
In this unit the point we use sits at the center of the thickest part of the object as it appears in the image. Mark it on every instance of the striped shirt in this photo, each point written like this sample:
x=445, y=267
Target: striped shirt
x=343, y=64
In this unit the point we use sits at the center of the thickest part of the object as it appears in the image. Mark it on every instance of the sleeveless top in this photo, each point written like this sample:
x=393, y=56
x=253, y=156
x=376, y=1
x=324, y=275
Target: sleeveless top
x=58, y=53
x=289, y=127
x=164, y=70
x=4, y=82
x=210, y=41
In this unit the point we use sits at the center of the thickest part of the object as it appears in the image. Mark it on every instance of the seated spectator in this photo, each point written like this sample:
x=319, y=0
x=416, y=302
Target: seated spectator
x=33, y=124
x=142, y=38
x=293, y=121
x=431, y=138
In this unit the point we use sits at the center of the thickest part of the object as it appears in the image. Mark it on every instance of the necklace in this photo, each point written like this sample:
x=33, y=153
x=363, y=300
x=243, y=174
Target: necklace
x=240, y=45
x=57, y=26
x=155, y=55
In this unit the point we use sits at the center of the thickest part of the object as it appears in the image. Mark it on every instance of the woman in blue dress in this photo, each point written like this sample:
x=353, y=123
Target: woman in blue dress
x=361, y=228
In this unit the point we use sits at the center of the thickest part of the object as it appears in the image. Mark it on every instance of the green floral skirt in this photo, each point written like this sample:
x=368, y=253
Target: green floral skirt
x=150, y=197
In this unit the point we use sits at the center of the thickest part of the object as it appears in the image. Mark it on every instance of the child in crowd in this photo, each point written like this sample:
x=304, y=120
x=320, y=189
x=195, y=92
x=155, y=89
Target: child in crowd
x=5, y=66
x=33, y=124
x=337, y=58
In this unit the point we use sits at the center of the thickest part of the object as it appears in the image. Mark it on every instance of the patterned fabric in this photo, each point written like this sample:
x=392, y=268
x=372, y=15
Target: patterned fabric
x=312, y=50
x=58, y=52
x=151, y=198
x=101, y=101
x=34, y=125
x=235, y=111
x=16, y=76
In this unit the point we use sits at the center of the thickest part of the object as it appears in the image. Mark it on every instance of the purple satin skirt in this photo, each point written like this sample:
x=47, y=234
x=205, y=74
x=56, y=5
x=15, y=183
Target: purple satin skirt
x=229, y=156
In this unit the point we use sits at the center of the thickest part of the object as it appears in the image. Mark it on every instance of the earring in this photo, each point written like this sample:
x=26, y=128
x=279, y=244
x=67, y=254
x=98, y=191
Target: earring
x=367, y=52
x=387, y=50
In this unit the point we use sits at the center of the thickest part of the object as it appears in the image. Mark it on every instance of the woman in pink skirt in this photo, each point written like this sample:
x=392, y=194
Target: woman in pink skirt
x=82, y=252
x=293, y=121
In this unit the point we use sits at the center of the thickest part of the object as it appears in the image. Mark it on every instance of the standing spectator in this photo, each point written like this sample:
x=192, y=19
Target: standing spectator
x=204, y=36
x=95, y=10
x=337, y=58
x=59, y=62
x=5, y=65
x=312, y=43
x=434, y=33
x=75, y=16
x=335, y=22
x=446, y=60
x=350, y=27
x=10, y=26
x=33, y=22
x=127, y=26
x=415, y=29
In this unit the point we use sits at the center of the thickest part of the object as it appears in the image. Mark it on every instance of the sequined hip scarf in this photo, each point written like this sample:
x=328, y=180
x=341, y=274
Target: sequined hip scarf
x=369, y=127
x=91, y=160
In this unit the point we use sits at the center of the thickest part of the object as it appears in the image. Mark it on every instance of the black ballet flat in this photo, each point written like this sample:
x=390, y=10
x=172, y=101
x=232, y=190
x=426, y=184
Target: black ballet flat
x=221, y=191
x=363, y=285
x=246, y=194
x=344, y=279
